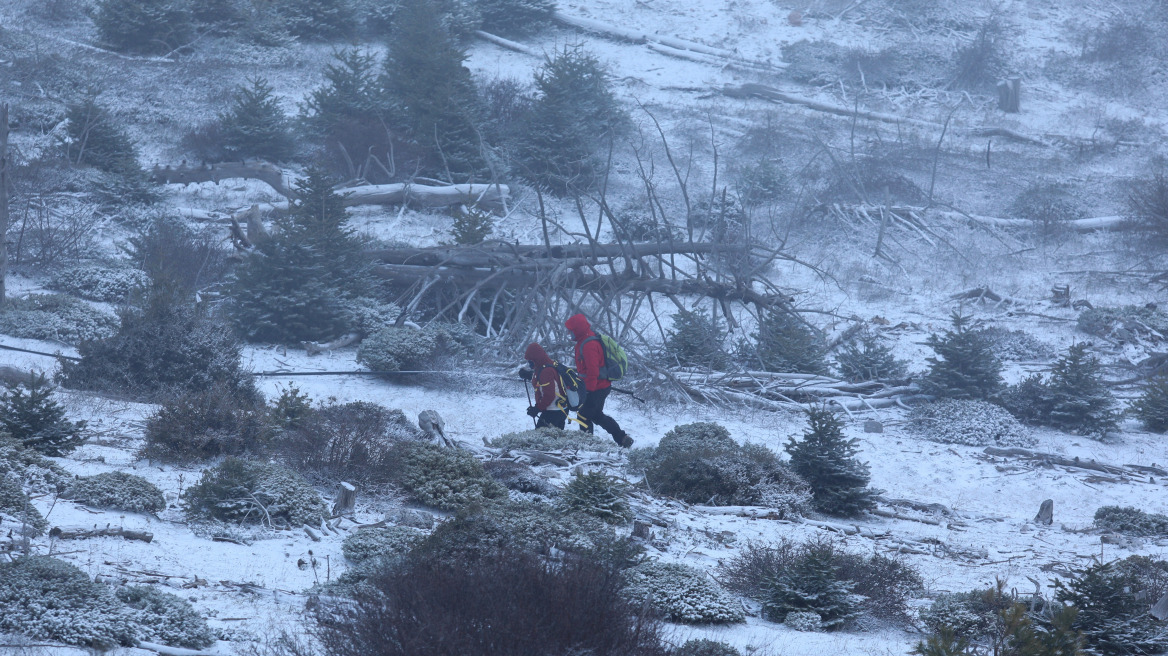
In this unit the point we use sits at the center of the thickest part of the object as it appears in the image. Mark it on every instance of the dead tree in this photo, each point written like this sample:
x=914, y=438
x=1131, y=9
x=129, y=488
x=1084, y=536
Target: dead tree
x=4, y=163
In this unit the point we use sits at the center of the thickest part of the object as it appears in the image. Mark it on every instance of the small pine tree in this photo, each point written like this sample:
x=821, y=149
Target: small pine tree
x=966, y=366
x=347, y=115
x=95, y=139
x=1110, y=613
x=255, y=125
x=319, y=20
x=695, y=340
x=471, y=225
x=29, y=413
x=786, y=344
x=433, y=93
x=812, y=586
x=295, y=288
x=148, y=26
x=827, y=461
x=515, y=17
x=944, y=642
x=1152, y=406
x=1079, y=399
x=599, y=495
x=868, y=357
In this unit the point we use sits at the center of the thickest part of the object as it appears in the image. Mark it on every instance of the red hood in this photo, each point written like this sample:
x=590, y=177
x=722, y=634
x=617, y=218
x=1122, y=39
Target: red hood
x=578, y=324
x=537, y=356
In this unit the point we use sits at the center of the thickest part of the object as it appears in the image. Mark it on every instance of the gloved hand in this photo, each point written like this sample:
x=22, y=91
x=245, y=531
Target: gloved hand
x=532, y=411
x=526, y=373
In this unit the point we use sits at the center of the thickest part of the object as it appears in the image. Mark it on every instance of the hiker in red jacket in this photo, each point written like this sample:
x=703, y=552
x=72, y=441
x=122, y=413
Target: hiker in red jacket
x=589, y=360
x=548, y=409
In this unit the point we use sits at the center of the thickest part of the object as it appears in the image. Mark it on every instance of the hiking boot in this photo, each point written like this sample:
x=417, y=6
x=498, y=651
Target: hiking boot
x=625, y=441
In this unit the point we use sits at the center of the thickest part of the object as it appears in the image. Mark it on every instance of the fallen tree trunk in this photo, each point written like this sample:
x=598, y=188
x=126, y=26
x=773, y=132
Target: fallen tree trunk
x=502, y=254
x=506, y=43
x=918, y=213
x=109, y=532
x=260, y=170
x=1052, y=459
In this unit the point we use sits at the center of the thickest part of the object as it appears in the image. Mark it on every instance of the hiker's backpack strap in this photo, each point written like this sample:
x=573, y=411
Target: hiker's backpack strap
x=602, y=370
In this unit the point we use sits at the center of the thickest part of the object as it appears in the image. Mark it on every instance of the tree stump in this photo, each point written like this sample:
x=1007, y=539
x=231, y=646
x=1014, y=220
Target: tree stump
x=873, y=426
x=1045, y=514
x=642, y=530
x=1009, y=92
x=346, y=499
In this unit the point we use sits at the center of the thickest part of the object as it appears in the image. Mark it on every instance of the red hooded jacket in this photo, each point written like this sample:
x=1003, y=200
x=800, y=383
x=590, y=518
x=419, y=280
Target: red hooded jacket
x=545, y=381
x=589, y=357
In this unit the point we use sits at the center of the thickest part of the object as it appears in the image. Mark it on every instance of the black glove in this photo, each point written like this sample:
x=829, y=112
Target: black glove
x=526, y=373
x=532, y=411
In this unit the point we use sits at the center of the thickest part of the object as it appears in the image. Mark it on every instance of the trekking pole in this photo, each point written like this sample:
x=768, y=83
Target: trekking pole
x=628, y=392
x=534, y=421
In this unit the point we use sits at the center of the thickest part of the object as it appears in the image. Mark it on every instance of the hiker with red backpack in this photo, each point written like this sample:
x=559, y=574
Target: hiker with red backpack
x=551, y=398
x=600, y=360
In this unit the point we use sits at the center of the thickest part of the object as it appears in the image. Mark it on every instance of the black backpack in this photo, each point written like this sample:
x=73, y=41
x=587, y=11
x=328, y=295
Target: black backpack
x=571, y=392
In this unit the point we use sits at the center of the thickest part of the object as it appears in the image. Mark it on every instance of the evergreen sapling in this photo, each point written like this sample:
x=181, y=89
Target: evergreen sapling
x=787, y=345
x=966, y=366
x=1080, y=400
x=695, y=340
x=811, y=587
x=255, y=125
x=826, y=460
x=1152, y=406
x=29, y=414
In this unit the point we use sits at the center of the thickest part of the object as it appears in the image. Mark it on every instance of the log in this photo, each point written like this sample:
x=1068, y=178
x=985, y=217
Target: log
x=545, y=458
x=506, y=43
x=314, y=348
x=495, y=254
x=172, y=651
x=109, y=532
x=4, y=175
x=1050, y=458
x=311, y=532
x=751, y=512
x=346, y=499
x=1074, y=225
x=185, y=174
x=1045, y=514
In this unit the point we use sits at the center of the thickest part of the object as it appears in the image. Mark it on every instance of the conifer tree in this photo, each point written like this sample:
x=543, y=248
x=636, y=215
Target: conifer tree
x=255, y=125
x=811, y=586
x=29, y=414
x=347, y=115
x=695, y=340
x=433, y=94
x=96, y=139
x=295, y=288
x=149, y=26
x=966, y=366
x=319, y=20
x=786, y=344
x=827, y=461
x=1079, y=399
x=868, y=357
x=514, y=16
x=1110, y=612
x=1152, y=406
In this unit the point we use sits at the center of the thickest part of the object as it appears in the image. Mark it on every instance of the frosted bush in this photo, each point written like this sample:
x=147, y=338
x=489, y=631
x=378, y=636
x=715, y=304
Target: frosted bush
x=57, y=317
x=373, y=542
x=98, y=282
x=599, y=495
x=682, y=594
x=16, y=509
x=166, y=618
x=1131, y=521
x=39, y=474
x=50, y=599
x=968, y=422
x=705, y=647
x=255, y=492
x=117, y=490
x=398, y=349
x=803, y=621
x=367, y=316
x=444, y=478
x=519, y=477
x=552, y=439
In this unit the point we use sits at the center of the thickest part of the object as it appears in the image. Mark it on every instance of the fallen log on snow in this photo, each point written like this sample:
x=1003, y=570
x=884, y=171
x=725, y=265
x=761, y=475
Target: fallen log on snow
x=108, y=532
x=914, y=216
x=1052, y=459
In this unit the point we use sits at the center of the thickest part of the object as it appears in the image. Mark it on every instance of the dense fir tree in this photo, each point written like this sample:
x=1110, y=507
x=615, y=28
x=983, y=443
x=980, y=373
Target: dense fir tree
x=811, y=587
x=294, y=289
x=29, y=414
x=827, y=461
x=510, y=17
x=149, y=26
x=96, y=139
x=784, y=343
x=319, y=20
x=347, y=115
x=1152, y=406
x=221, y=17
x=868, y=357
x=574, y=113
x=1080, y=401
x=966, y=366
x=695, y=340
x=255, y=125
x=944, y=642
x=1111, y=612
x=433, y=95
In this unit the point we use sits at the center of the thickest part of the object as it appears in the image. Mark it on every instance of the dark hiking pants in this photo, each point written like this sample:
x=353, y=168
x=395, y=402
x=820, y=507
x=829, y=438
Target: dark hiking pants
x=592, y=413
x=551, y=418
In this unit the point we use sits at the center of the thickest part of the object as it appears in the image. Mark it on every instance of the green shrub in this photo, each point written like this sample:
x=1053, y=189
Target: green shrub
x=972, y=423
x=38, y=472
x=980, y=63
x=812, y=588
x=443, y=478
x=320, y=20
x=166, y=618
x=826, y=460
x=1131, y=521
x=868, y=357
x=346, y=441
x=681, y=594
x=177, y=256
x=117, y=490
x=1048, y=205
x=1128, y=324
x=162, y=349
x=519, y=478
x=471, y=225
x=255, y=125
x=515, y=17
x=254, y=492
x=398, y=349
x=56, y=317
x=98, y=282
x=552, y=439
x=349, y=113
x=1147, y=203
x=965, y=366
x=1113, y=611
x=762, y=181
x=16, y=507
x=205, y=424
x=370, y=543
x=704, y=647
x=1152, y=406
x=599, y=495
x=784, y=343
x=95, y=138
x=30, y=415
x=50, y=599
x=148, y=26
x=1075, y=398
x=695, y=340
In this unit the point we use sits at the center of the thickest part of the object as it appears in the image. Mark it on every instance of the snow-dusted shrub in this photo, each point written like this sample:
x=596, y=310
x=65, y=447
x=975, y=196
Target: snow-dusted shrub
x=681, y=594
x=255, y=125
x=320, y=20
x=205, y=424
x=552, y=439
x=762, y=181
x=398, y=349
x=57, y=317
x=803, y=620
x=255, y=492
x=518, y=477
x=868, y=357
x=1131, y=521
x=1015, y=344
x=39, y=474
x=375, y=542
x=695, y=340
x=1152, y=406
x=969, y=615
x=811, y=586
x=346, y=441
x=366, y=315
x=827, y=461
x=117, y=490
x=515, y=17
x=98, y=282
x=1128, y=323
x=981, y=63
x=1048, y=205
x=16, y=508
x=641, y=226
x=599, y=495
x=150, y=27
x=30, y=415
x=1074, y=398
x=50, y=599
x=1147, y=202
x=973, y=423
x=786, y=344
x=443, y=478
x=165, y=618
x=177, y=255
x=705, y=647
x=965, y=366
x=1112, y=602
